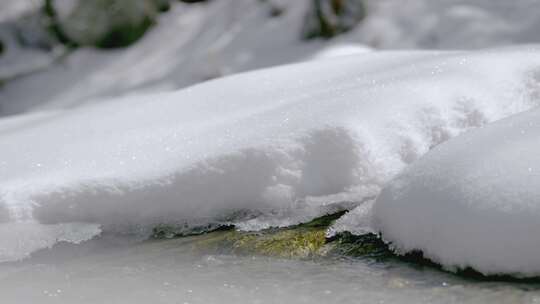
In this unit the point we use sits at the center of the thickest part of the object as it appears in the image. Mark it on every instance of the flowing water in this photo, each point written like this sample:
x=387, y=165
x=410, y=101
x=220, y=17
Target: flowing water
x=111, y=270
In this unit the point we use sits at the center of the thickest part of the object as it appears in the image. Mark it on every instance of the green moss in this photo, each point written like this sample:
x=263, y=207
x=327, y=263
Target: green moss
x=367, y=245
x=302, y=241
x=216, y=242
x=293, y=243
x=285, y=243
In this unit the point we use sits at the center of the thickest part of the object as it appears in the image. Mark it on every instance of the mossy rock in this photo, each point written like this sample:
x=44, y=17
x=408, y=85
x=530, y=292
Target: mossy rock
x=329, y=18
x=163, y=5
x=359, y=246
x=103, y=23
x=284, y=243
x=302, y=241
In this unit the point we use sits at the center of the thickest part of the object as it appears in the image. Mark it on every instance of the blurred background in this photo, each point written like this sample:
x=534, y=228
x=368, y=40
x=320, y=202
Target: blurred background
x=62, y=53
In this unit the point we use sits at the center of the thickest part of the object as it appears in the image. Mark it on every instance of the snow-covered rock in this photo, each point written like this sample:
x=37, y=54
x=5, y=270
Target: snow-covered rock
x=472, y=202
x=270, y=142
x=105, y=23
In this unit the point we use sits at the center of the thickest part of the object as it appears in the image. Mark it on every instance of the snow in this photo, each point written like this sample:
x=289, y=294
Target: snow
x=447, y=24
x=275, y=139
x=340, y=50
x=193, y=43
x=471, y=202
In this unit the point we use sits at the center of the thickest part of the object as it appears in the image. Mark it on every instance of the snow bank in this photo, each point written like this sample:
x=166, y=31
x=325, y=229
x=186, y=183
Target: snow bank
x=297, y=137
x=473, y=201
x=338, y=50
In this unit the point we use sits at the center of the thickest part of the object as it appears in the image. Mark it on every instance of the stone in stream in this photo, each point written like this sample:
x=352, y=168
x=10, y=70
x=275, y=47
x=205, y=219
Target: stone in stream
x=329, y=18
x=102, y=23
x=307, y=240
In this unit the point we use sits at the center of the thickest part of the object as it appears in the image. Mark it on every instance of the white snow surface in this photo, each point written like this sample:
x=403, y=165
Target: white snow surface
x=271, y=141
x=471, y=202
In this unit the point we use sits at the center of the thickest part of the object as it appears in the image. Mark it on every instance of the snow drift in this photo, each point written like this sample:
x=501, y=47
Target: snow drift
x=256, y=147
x=471, y=202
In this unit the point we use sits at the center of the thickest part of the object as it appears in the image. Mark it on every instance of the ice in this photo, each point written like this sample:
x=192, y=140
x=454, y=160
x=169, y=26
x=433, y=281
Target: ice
x=471, y=202
x=165, y=272
x=263, y=141
x=19, y=239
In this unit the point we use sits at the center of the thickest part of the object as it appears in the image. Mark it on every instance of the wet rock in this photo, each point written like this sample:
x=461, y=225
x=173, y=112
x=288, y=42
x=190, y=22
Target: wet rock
x=163, y=5
x=102, y=23
x=328, y=18
x=276, y=10
x=367, y=245
x=284, y=243
x=302, y=241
